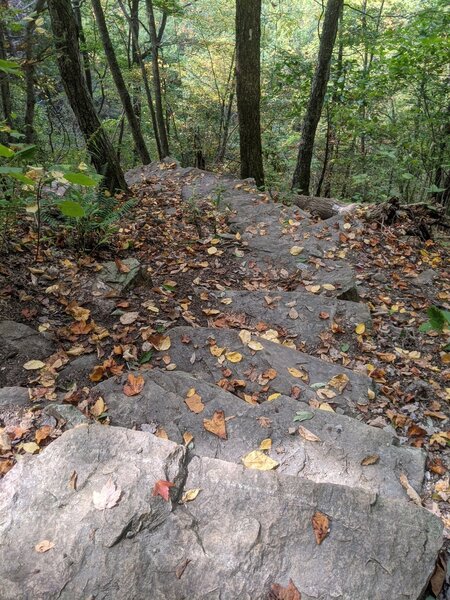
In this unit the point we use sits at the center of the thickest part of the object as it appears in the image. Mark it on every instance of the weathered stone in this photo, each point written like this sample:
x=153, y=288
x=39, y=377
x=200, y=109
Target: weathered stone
x=14, y=396
x=20, y=343
x=191, y=352
x=303, y=316
x=67, y=415
x=245, y=530
x=336, y=458
x=110, y=278
x=77, y=371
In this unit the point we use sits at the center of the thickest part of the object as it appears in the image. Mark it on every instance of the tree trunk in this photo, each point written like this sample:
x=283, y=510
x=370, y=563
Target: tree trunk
x=84, y=52
x=120, y=84
x=30, y=74
x=302, y=173
x=248, y=87
x=65, y=36
x=5, y=89
x=157, y=80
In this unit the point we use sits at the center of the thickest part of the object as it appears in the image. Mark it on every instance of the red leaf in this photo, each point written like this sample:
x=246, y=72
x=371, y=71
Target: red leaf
x=162, y=488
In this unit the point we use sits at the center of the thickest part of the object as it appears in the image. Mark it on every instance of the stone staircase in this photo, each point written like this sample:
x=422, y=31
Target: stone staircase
x=230, y=532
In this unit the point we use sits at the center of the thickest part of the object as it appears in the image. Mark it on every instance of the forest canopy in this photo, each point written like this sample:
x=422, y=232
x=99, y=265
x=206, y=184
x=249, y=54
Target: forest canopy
x=162, y=80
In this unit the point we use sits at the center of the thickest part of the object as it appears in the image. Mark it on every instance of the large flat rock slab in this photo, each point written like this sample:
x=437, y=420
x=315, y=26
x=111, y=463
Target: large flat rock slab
x=270, y=231
x=300, y=316
x=221, y=357
x=336, y=457
x=244, y=532
x=20, y=343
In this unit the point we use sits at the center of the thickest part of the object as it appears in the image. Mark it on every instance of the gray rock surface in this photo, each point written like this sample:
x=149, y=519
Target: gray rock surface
x=336, y=458
x=13, y=396
x=66, y=415
x=245, y=530
x=299, y=314
x=77, y=371
x=111, y=279
x=20, y=343
x=196, y=358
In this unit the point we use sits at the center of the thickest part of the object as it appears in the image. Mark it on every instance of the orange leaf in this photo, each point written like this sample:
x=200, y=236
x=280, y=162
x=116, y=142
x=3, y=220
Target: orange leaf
x=97, y=374
x=134, y=385
x=290, y=592
x=194, y=402
x=217, y=424
x=43, y=433
x=162, y=488
x=321, y=526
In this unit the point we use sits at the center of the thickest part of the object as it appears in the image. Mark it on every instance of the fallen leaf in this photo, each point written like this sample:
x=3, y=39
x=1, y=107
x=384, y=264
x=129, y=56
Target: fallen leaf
x=325, y=406
x=256, y=346
x=372, y=459
x=328, y=286
x=321, y=526
x=303, y=415
x=360, y=329
x=187, y=438
x=97, y=373
x=411, y=492
x=44, y=546
x=298, y=374
x=258, y=460
x=129, y=318
x=161, y=433
x=121, y=266
x=266, y=444
x=233, y=357
x=216, y=424
x=30, y=447
x=134, y=385
x=107, y=497
x=290, y=592
x=190, y=495
x=98, y=408
x=73, y=481
x=245, y=336
x=308, y=435
x=194, y=402
x=160, y=342
x=162, y=488
x=296, y=250
x=293, y=314
x=339, y=382
x=43, y=433
x=273, y=397
x=33, y=365
x=216, y=351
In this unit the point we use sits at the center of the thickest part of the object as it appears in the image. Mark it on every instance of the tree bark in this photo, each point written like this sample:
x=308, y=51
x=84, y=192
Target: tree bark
x=84, y=52
x=302, y=174
x=65, y=34
x=30, y=74
x=122, y=90
x=248, y=87
x=5, y=89
x=157, y=80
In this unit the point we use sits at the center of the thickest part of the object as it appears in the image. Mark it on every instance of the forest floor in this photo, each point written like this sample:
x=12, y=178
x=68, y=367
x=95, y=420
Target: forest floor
x=182, y=247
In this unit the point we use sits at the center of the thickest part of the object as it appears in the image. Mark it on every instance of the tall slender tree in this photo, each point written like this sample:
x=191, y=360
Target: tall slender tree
x=30, y=72
x=302, y=174
x=122, y=90
x=163, y=137
x=248, y=87
x=84, y=52
x=65, y=34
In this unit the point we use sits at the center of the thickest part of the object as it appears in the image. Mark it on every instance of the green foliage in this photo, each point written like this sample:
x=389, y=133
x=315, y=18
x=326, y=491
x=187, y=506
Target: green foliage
x=438, y=320
x=88, y=217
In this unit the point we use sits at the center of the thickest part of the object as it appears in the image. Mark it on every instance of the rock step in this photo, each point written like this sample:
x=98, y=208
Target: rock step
x=270, y=231
x=336, y=457
x=245, y=530
x=220, y=356
x=301, y=316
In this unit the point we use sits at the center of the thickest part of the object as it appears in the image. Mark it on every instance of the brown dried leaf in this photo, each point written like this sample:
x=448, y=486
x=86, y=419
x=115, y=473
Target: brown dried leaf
x=217, y=424
x=134, y=385
x=321, y=526
x=290, y=592
x=372, y=459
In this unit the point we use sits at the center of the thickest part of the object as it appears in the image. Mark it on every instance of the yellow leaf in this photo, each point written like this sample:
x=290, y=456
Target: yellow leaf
x=233, y=357
x=371, y=394
x=266, y=444
x=328, y=286
x=161, y=433
x=190, y=495
x=314, y=289
x=212, y=250
x=245, y=336
x=260, y=461
x=98, y=408
x=298, y=374
x=339, y=382
x=296, y=250
x=254, y=345
x=216, y=351
x=273, y=397
x=33, y=365
x=187, y=438
x=30, y=447
x=308, y=435
x=194, y=403
x=360, y=329
x=325, y=406
x=370, y=460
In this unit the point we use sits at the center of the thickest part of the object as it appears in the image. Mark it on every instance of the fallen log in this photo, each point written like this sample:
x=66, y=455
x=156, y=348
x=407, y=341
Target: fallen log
x=325, y=208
